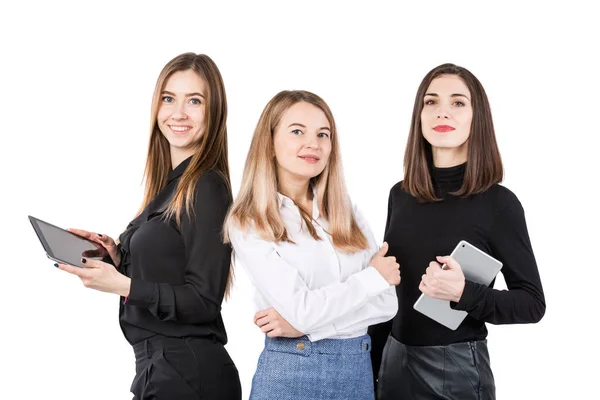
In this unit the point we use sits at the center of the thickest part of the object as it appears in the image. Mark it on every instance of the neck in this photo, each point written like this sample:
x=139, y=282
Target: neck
x=178, y=155
x=449, y=157
x=295, y=188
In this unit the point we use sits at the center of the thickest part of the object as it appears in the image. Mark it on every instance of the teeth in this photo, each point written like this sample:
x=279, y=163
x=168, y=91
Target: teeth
x=180, y=128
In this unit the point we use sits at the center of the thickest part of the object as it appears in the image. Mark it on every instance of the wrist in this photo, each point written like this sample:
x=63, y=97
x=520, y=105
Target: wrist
x=124, y=287
x=461, y=289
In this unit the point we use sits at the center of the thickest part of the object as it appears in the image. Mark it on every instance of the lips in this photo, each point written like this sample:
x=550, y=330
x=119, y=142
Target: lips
x=180, y=129
x=443, y=128
x=310, y=159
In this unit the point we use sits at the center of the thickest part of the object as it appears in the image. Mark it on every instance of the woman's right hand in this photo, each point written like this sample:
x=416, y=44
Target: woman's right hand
x=274, y=325
x=386, y=266
x=105, y=245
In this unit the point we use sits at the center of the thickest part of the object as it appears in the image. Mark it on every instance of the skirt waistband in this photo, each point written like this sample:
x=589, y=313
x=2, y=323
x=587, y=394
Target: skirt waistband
x=303, y=346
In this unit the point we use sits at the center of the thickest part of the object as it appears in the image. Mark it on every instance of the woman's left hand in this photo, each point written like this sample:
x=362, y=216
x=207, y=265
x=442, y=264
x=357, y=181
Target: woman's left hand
x=274, y=325
x=100, y=276
x=444, y=284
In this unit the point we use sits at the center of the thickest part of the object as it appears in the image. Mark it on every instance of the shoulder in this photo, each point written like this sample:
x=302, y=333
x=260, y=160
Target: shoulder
x=397, y=188
x=504, y=205
x=212, y=182
x=397, y=193
x=212, y=179
x=503, y=198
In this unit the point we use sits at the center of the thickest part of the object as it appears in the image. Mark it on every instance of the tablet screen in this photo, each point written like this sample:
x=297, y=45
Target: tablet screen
x=61, y=245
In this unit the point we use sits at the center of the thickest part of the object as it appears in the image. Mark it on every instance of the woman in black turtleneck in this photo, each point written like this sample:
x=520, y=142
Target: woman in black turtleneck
x=451, y=192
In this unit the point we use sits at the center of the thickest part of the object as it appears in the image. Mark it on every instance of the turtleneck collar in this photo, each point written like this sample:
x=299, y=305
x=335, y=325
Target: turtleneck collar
x=448, y=179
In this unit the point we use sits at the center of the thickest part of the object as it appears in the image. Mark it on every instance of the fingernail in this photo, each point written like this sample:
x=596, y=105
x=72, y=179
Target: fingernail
x=99, y=234
x=83, y=260
x=56, y=265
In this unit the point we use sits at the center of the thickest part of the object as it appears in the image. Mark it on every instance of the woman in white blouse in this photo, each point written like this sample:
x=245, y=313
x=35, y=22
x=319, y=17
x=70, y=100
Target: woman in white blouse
x=321, y=279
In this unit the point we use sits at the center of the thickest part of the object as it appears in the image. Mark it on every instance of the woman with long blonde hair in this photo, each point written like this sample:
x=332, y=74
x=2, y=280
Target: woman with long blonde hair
x=171, y=267
x=321, y=279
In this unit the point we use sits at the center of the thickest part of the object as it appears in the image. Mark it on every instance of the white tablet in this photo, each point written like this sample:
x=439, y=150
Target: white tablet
x=62, y=245
x=477, y=266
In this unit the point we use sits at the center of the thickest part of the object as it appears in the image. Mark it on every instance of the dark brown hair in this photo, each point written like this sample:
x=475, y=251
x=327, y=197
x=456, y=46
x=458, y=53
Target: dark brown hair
x=484, y=165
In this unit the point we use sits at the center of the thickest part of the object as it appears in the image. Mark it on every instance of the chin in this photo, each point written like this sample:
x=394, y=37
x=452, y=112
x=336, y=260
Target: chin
x=447, y=143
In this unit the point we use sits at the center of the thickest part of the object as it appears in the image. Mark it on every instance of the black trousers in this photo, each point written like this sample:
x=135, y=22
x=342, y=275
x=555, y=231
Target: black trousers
x=458, y=371
x=184, y=368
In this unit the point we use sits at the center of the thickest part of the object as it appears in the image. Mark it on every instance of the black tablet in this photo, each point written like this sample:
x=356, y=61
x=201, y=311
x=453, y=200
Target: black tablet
x=60, y=244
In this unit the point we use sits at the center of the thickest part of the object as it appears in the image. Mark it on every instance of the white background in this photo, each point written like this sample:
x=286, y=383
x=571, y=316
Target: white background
x=77, y=80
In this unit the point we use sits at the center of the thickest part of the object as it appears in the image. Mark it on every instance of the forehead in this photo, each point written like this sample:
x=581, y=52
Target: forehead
x=305, y=114
x=185, y=82
x=448, y=85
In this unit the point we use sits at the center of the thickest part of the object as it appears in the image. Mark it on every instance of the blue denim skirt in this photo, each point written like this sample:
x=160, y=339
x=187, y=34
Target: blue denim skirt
x=298, y=369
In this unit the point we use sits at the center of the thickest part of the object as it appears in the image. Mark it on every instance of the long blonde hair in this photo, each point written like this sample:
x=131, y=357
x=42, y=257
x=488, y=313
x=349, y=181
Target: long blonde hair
x=257, y=201
x=210, y=151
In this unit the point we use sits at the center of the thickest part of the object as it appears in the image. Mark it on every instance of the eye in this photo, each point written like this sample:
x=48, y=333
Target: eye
x=167, y=99
x=323, y=135
x=195, y=101
x=459, y=103
x=429, y=102
x=297, y=132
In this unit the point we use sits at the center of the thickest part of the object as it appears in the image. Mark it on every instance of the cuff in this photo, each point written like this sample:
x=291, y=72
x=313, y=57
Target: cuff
x=141, y=293
x=372, y=281
x=467, y=299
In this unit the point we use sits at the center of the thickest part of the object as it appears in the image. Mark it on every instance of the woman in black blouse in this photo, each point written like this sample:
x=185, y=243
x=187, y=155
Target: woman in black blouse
x=171, y=267
x=451, y=192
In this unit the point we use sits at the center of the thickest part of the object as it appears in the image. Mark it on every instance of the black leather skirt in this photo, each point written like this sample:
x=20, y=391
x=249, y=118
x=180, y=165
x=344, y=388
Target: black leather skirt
x=458, y=371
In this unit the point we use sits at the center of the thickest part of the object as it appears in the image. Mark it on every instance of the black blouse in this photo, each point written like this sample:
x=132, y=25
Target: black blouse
x=493, y=221
x=178, y=273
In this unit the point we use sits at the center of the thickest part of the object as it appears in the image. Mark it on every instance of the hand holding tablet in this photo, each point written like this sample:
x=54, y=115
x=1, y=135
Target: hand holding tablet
x=69, y=246
x=476, y=266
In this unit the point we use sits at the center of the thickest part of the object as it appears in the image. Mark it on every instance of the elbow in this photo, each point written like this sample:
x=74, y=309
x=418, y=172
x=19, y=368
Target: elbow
x=538, y=311
x=390, y=311
x=304, y=325
x=390, y=308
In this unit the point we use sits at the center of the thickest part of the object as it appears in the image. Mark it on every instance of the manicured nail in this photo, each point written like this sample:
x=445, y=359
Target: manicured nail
x=99, y=234
x=56, y=265
x=83, y=260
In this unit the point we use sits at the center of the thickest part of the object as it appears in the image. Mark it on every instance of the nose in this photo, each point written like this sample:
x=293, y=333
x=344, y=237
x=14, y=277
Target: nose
x=312, y=142
x=179, y=111
x=442, y=112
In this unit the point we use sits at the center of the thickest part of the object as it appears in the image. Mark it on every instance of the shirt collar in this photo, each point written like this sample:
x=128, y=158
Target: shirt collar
x=178, y=171
x=287, y=202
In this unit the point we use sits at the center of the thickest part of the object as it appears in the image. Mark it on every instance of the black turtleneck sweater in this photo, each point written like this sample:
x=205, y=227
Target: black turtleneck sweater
x=178, y=272
x=494, y=222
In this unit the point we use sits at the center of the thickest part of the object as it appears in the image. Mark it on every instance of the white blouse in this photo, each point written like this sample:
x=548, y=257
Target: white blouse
x=319, y=290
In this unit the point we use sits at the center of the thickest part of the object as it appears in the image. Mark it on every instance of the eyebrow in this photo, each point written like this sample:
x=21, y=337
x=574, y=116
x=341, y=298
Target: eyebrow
x=304, y=126
x=452, y=95
x=186, y=95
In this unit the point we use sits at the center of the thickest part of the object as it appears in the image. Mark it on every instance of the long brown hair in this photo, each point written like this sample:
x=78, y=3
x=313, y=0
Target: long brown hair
x=484, y=165
x=210, y=150
x=257, y=201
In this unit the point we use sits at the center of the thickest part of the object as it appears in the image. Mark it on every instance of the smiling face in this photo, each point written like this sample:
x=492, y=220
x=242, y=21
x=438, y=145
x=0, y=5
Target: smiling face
x=447, y=114
x=302, y=143
x=181, y=113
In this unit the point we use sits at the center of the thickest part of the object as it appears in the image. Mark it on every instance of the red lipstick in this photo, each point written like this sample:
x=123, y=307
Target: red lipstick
x=443, y=128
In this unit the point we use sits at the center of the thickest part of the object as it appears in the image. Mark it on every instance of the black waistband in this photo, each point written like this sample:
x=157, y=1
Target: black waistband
x=149, y=346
